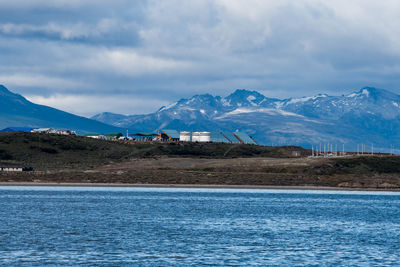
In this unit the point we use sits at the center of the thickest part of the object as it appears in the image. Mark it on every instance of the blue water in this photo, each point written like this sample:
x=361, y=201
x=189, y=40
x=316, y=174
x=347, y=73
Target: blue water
x=162, y=227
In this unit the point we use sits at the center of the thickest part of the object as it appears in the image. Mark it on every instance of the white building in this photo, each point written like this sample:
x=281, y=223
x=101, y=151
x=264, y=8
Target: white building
x=53, y=131
x=184, y=136
x=201, y=137
x=96, y=136
x=42, y=130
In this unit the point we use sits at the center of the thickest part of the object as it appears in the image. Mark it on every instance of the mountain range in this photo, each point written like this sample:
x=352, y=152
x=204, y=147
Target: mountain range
x=369, y=116
x=15, y=110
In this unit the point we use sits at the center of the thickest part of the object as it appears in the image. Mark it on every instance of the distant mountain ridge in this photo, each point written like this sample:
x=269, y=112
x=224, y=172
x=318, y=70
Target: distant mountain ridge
x=15, y=110
x=369, y=115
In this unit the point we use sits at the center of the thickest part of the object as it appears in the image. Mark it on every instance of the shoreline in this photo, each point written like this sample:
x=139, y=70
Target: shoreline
x=205, y=186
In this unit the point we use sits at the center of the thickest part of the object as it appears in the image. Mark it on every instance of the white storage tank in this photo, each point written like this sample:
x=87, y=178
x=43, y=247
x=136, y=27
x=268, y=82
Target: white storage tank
x=201, y=136
x=196, y=137
x=184, y=136
x=205, y=136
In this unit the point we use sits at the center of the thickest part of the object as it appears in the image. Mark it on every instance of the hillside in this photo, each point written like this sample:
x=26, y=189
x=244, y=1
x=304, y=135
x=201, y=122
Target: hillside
x=69, y=159
x=56, y=152
x=367, y=116
x=15, y=110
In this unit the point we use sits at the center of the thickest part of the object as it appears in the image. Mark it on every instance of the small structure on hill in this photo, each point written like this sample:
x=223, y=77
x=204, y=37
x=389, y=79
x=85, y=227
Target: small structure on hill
x=53, y=131
x=230, y=137
x=184, y=136
x=201, y=137
x=143, y=136
x=42, y=130
x=65, y=132
x=113, y=136
x=244, y=138
x=218, y=137
x=170, y=135
x=96, y=136
x=15, y=169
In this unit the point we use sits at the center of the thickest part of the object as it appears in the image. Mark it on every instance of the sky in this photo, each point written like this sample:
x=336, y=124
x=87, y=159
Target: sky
x=132, y=57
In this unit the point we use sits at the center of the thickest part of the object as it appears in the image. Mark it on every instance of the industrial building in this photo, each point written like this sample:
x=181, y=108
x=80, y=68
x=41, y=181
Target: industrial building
x=168, y=135
x=96, y=136
x=53, y=131
x=217, y=137
x=143, y=136
x=184, y=136
x=163, y=135
x=201, y=137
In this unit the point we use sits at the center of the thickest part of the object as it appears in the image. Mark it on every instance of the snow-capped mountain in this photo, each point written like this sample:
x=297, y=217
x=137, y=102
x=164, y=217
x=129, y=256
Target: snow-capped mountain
x=367, y=116
x=366, y=101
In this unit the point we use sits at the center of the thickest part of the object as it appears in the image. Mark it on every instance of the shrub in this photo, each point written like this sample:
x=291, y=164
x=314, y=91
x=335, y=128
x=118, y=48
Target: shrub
x=5, y=155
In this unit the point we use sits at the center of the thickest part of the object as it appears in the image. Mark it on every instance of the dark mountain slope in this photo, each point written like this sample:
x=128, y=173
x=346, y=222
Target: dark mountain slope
x=15, y=110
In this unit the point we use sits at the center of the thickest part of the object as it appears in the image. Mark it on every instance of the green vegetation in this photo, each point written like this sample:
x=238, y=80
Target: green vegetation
x=365, y=165
x=368, y=165
x=43, y=151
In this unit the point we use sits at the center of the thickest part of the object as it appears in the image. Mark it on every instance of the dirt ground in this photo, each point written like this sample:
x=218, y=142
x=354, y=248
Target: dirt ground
x=235, y=164
x=203, y=171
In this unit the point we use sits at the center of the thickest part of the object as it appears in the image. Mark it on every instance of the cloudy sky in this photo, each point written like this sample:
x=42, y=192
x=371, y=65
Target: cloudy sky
x=132, y=57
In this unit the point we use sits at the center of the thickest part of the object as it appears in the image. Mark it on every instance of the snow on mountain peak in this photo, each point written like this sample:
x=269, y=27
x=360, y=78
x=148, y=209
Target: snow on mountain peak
x=251, y=98
x=269, y=111
x=305, y=99
x=168, y=107
x=365, y=92
x=242, y=98
x=225, y=102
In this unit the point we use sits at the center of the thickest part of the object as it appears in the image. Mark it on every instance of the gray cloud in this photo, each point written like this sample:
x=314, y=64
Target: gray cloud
x=158, y=51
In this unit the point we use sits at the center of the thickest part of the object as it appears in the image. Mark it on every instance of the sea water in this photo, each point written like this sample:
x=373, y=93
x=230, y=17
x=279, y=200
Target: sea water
x=163, y=227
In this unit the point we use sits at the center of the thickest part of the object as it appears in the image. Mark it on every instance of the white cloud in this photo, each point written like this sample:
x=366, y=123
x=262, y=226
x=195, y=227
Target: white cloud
x=130, y=62
x=29, y=4
x=176, y=48
x=65, y=31
x=89, y=105
x=23, y=79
